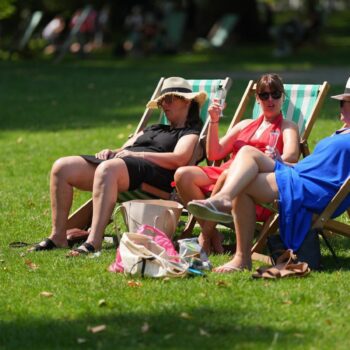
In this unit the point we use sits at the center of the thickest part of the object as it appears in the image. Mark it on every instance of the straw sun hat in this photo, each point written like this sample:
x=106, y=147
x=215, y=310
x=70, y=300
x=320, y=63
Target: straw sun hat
x=179, y=87
x=346, y=95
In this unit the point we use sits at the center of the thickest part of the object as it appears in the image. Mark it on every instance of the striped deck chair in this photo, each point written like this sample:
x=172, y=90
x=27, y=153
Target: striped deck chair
x=301, y=105
x=81, y=218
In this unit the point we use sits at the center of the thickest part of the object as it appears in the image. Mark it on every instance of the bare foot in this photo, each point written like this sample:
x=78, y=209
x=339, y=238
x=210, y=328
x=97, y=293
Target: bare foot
x=234, y=265
x=228, y=268
x=60, y=242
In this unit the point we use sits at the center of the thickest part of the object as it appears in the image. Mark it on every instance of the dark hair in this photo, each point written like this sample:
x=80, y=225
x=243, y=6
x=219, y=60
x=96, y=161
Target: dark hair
x=193, y=117
x=272, y=81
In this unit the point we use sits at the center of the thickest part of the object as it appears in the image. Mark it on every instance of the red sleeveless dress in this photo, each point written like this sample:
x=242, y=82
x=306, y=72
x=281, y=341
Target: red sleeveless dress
x=247, y=137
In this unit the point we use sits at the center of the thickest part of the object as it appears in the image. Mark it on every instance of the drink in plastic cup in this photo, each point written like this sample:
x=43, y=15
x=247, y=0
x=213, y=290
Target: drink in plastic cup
x=273, y=138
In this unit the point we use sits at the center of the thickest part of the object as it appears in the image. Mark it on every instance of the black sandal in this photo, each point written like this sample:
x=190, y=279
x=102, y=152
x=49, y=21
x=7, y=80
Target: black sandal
x=84, y=249
x=18, y=244
x=47, y=244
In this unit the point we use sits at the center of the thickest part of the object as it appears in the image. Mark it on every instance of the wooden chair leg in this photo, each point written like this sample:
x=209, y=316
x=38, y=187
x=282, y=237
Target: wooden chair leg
x=187, y=232
x=81, y=218
x=270, y=226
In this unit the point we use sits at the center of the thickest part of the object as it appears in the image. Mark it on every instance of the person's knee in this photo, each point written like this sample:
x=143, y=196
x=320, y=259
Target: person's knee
x=60, y=166
x=183, y=175
x=105, y=170
x=249, y=151
x=110, y=172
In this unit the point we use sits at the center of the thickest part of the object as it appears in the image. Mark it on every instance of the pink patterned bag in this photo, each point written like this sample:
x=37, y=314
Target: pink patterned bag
x=158, y=236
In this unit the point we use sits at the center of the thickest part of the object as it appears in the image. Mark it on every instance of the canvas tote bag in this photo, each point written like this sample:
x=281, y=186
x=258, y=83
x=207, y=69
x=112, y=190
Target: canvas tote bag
x=142, y=256
x=157, y=236
x=162, y=214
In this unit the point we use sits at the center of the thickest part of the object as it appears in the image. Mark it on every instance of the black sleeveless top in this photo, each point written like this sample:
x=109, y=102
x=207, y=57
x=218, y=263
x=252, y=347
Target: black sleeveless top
x=160, y=138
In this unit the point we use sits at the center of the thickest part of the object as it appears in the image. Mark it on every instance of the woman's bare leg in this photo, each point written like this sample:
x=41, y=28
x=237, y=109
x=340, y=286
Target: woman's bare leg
x=220, y=182
x=189, y=181
x=262, y=189
x=209, y=227
x=66, y=173
x=248, y=163
x=111, y=177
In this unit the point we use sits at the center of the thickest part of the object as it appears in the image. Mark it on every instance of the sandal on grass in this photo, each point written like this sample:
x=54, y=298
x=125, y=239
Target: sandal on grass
x=46, y=244
x=286, y=267
x=206, y=210
x=84, y=249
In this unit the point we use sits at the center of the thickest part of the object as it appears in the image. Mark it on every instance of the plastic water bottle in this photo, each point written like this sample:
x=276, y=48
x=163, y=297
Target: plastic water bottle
x=220, y=97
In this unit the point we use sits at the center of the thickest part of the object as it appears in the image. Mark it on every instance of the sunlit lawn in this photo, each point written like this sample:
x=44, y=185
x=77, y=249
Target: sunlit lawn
x=48, y=111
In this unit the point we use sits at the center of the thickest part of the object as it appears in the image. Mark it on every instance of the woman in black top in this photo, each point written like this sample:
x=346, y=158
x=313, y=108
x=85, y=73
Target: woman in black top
x=151, y=156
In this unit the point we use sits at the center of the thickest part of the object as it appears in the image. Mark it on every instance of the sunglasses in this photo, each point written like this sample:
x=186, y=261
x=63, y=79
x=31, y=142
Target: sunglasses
x=168, y=99
x=264, y=96
x=342, y=102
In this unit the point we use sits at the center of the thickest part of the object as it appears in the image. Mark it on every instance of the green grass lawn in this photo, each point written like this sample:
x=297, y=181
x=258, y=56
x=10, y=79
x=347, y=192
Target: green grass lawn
x=49, y=111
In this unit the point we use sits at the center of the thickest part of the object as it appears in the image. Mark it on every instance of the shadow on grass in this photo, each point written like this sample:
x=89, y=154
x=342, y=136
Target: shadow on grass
x=206, y=329
x=341, y=247
x=40, y=96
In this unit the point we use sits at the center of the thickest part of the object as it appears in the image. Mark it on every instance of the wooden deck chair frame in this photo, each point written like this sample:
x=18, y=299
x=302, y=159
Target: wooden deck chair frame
x=81, y=218
x=322, y=223
x=292, y=105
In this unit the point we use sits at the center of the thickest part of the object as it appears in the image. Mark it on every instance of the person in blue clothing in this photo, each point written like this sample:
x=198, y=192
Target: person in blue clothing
x=301, y=190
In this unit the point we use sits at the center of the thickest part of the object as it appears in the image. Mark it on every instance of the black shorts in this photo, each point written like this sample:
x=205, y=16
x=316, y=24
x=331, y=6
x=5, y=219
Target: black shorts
x=141, y=170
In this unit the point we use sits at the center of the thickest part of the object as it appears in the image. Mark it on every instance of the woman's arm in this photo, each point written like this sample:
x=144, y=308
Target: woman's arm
x=109, y=153
x=219, y=149
x=181, y=155
x=291, y=142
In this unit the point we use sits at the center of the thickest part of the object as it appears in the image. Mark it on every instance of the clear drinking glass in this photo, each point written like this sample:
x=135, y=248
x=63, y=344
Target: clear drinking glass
x=219, y=98
x=273, y=137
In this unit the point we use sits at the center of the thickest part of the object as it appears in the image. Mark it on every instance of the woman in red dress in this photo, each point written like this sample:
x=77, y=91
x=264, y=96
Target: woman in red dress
x=196, y=182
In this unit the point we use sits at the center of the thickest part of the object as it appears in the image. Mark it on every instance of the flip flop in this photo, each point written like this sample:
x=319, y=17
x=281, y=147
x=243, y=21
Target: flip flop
x=207, y=211
x=228, y=269
x=84, y=249
x=18, y=244
x=46, y=244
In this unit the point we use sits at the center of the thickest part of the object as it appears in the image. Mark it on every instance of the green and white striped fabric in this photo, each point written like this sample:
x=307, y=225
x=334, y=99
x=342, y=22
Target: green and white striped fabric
x=298, y=105
x=137, y=194
x=208, y=85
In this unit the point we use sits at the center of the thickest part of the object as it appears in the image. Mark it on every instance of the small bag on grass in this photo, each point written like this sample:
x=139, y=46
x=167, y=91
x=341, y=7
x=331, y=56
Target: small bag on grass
x=309, y=251
x=193, y=253
x=149, y=252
